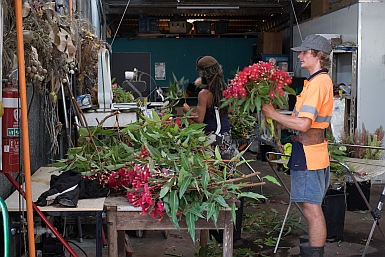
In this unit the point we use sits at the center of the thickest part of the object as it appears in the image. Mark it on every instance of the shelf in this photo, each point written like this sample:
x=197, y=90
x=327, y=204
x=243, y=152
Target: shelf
x=174, y=35
x=344, y=70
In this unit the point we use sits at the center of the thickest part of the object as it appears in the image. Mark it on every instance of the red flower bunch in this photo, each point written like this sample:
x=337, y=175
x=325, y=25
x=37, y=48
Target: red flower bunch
x=119, y=180
x=142, y=194
x=139, y=191
x=257, y=85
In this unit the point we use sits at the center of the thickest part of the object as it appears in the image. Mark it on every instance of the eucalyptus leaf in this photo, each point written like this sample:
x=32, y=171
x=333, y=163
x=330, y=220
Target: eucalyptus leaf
x=222, y=201
x=190, y=221
x=251, y=195
x=272, y=179
x=196, y=212
x=233, y=214
x=115, y=166
x=83, y=132
x=164, y=191
x=211, y=208
x=185, y=184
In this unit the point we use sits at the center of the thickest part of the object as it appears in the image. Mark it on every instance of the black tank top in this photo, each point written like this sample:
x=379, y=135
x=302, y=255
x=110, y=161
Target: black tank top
x=211, y=122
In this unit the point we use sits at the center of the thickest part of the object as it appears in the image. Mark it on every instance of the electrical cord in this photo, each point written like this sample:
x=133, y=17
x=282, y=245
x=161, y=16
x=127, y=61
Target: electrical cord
x=78, y=247
x=140, y=77
x=296, y=20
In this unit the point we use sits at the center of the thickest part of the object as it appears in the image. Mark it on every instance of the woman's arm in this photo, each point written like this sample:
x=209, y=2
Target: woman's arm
x=204, y=98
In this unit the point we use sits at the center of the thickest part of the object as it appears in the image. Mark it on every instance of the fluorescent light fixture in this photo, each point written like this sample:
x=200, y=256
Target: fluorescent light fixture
x=200, y=7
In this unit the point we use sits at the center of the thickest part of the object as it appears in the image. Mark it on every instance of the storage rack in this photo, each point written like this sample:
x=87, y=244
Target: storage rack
x=338, y=58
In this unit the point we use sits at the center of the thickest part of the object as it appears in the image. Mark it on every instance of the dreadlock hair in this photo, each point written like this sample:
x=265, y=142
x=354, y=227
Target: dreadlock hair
x=324, y=58
x=216, y=84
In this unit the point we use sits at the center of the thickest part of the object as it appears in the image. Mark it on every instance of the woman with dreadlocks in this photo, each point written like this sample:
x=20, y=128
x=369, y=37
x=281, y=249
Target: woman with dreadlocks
x=209, y=98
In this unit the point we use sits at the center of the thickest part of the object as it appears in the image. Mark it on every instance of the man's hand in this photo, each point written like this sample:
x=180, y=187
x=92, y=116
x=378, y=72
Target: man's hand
x=268, y=110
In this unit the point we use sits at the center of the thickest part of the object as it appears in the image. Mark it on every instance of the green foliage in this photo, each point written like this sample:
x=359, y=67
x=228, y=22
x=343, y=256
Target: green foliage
x=241, y=124
x=215, y=249
x=270, y=223
x=268, y=241
x=212, y=249
x=174, y=93
x=189, y=178
x=364, y=138
x=121, y=96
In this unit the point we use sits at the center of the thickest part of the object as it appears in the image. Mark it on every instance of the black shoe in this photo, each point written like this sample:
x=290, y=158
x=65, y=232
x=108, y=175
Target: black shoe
x=303, y=239
x=310, y=251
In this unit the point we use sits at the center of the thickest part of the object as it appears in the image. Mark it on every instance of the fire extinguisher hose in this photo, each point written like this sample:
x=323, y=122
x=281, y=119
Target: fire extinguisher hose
x=7, y=240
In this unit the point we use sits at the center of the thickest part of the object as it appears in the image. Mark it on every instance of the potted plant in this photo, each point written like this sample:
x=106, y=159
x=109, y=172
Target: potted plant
x=361, y=137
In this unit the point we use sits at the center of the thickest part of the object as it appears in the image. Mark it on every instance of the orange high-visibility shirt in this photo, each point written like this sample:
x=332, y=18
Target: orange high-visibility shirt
x=316, y=103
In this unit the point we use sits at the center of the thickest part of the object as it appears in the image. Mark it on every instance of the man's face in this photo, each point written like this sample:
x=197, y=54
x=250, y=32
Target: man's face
x=307, y=59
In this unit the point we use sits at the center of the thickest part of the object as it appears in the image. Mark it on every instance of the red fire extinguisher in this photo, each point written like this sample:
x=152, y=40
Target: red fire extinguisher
x=10, y=130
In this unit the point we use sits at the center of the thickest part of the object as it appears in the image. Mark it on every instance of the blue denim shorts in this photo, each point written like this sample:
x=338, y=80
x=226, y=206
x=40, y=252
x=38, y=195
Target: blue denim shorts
x=309, y=185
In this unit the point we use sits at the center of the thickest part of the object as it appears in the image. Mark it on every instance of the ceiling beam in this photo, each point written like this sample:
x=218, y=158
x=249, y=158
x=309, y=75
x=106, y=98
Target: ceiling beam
x=172, y=11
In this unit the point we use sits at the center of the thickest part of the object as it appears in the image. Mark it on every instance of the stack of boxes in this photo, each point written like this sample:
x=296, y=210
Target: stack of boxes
x=180, y=27
x=148, y=25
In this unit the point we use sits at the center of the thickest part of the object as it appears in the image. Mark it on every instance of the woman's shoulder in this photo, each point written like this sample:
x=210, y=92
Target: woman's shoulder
x=205, y=93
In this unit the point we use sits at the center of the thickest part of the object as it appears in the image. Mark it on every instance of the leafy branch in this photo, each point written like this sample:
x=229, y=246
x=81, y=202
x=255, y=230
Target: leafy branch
x=164, y=164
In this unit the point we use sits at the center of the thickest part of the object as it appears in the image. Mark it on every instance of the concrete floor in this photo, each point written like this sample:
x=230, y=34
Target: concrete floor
x=356, y=229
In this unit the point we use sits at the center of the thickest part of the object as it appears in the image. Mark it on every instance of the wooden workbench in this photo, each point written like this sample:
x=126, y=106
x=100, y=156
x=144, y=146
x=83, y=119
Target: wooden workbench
x=121, y=215
x=40, y=183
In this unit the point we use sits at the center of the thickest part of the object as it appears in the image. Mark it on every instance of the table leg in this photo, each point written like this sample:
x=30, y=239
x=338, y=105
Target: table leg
x=80, y=230
x=121, y=243
x=228, y=236
x=204, y=238
x=99, y=225
x=112, y=232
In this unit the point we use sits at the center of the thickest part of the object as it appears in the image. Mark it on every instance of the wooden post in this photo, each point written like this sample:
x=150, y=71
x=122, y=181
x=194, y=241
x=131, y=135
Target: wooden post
x=112, y=231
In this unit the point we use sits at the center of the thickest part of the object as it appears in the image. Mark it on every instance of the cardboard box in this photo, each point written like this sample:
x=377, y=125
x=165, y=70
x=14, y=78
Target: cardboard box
x=334, y=39
x=180, y=27
x=269, y=43
x=336, y=4
x=319, y=7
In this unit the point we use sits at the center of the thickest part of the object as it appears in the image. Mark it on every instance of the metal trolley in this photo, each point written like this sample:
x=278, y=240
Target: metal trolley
x=372, y=168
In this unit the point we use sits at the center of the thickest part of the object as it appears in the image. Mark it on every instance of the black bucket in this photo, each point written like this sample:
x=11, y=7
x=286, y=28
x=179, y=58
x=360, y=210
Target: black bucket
x=218, y=235
x=354, y=199
x=333, y=207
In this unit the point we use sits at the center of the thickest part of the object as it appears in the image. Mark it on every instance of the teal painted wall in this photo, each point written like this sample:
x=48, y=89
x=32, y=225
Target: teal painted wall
x=180, y=54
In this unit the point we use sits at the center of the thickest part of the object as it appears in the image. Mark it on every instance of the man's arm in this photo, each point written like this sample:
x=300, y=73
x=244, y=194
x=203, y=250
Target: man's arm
x=292, y=122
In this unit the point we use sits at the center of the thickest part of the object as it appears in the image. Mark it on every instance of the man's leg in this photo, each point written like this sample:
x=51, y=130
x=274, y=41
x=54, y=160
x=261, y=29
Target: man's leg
x=317, y=225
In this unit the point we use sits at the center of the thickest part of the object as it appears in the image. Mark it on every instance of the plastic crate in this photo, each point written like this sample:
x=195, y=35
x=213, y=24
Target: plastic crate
x=148, y=25
x=202, y=27
x=220, y=27
x=182, y=27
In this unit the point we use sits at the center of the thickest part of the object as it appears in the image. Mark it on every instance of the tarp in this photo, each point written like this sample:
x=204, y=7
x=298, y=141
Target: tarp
x=366, y=169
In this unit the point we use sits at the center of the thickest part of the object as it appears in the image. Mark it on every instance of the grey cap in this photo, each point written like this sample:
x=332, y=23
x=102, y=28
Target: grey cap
x=315, y=42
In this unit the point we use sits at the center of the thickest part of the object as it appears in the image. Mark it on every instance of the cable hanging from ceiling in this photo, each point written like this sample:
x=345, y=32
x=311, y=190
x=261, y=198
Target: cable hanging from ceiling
x=120, y=22
x=296, y=20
